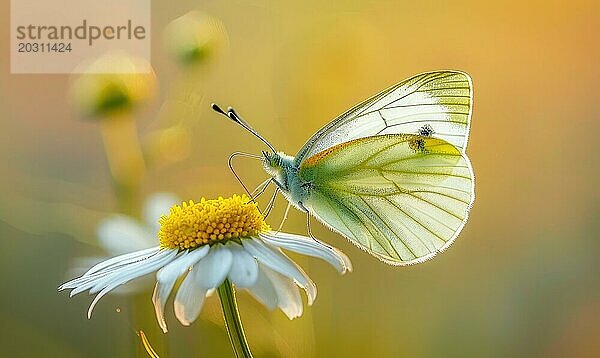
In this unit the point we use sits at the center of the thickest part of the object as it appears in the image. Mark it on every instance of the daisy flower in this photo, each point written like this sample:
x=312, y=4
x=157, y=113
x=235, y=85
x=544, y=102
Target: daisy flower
x=209, y=243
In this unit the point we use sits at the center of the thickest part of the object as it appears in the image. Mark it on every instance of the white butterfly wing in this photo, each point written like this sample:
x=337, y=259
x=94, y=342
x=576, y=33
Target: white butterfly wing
x=437, y=104
x=402, y=198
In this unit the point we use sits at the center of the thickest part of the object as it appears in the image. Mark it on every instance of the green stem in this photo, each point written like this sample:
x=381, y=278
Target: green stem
x=233, y=321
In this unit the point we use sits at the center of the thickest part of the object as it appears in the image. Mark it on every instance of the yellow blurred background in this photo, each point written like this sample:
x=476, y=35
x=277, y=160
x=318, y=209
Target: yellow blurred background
x=522, y=280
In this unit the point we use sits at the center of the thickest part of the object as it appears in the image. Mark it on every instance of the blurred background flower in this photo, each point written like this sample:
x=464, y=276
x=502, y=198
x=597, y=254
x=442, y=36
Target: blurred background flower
x=195, y=37
x=109, y=89
x=121, y=87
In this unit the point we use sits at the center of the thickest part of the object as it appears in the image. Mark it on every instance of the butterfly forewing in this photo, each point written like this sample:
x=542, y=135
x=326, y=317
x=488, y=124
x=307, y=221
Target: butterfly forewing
x=436, y=104
x=402, y=198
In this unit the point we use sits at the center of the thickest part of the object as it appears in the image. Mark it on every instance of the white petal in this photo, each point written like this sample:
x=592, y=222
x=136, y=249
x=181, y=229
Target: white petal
x=128, y=273
x=273, y=258
x=288, y=297
x=118, y=234
x=159, y=298
x=157, y=205
x=214, y=267
x=309, y=246
x=244, y=269
x=80, y=265
x=166, y=278
x=263, y=289
x=135, y=270
x=189, y=299
x=182, y=264
x=108, y=269
x=122, y=260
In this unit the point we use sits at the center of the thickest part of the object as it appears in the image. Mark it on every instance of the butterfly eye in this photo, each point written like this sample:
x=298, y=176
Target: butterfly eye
x=267, y=159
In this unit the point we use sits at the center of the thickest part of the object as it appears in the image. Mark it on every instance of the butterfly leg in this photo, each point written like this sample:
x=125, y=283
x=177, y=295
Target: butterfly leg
x=260, y=189
x=310, y=234
x=307, y=220
x=287, y=209
x=308, y=226
x=271, y=203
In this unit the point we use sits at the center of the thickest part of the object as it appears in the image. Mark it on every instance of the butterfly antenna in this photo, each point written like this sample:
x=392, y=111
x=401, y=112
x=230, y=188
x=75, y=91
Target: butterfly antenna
x=232, y=114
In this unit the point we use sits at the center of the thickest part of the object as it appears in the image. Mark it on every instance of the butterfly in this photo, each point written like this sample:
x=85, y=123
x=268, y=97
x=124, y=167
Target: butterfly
x=391, y=174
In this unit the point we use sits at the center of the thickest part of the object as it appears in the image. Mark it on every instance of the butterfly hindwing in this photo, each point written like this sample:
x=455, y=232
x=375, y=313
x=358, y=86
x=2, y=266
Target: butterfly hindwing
x=401, y=197
x=434, y=104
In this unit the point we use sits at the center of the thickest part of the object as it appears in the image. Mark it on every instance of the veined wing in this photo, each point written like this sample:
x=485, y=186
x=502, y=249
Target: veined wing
x=437, y=104
x=402, y=198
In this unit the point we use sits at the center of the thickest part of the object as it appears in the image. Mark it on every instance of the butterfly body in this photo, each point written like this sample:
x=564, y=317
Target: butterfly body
x=284, y=171
x=391, y=174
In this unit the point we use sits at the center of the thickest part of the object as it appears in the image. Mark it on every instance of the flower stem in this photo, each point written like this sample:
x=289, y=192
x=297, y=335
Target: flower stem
x=233, y=321
x=125, y=159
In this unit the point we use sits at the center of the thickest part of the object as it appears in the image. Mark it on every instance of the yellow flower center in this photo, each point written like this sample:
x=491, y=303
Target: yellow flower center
x=210, y=221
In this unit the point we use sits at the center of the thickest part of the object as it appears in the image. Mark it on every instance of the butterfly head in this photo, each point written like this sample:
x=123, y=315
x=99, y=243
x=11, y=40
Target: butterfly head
x=272, y=162
x=281, y=167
